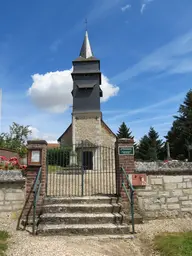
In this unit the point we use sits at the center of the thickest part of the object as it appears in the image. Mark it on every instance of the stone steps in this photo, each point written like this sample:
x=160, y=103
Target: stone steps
x=81, y=218
x=86, y=216
x=83, y=208
x=81, y=200
x=82, y=229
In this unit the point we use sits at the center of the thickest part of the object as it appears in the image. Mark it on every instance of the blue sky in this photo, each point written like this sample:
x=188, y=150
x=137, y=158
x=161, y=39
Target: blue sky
x=145, y=48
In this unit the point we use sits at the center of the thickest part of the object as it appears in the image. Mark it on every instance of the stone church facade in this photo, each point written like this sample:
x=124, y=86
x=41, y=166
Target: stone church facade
x=88, y=130
x=88, y=127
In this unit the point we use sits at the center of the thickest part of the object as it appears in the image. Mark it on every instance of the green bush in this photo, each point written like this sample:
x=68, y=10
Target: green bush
x=58, y=156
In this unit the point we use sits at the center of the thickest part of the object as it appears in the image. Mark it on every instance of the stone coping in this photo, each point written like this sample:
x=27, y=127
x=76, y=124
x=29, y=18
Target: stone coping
x=165, y=172
x=11, y=176
x=41, y=142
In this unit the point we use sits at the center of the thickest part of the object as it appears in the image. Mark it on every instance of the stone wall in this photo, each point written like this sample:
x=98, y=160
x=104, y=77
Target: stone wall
x=165, y=196
x=107, y=138
x=86, y=128
x=12, y=191
x=161, y=165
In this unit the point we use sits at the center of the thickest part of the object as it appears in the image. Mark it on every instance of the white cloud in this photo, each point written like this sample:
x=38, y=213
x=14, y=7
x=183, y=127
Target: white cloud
x=52, y=141
x=144, y=5
x=98, y=11
x=183, y=66
x=173, y=57
x=167, y=124
x=150, y=119
x=126, y=7
x=165, y=102
x=36, y=134
x=109, y=90
x=102, y=8
x=52, y=91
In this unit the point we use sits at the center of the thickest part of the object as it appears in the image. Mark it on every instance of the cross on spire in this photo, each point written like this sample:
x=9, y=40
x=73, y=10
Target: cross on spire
x=86, y=22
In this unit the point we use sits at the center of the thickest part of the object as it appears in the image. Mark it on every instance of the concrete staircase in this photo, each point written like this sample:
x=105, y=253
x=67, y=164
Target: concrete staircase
x=82, y=216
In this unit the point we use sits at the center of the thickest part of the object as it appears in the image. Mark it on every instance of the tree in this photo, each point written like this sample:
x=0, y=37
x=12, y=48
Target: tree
x=180, y=134
x=150, y=147
x=16, y=138
x=142, y=149
x=176, y=141
x=155, y=145
x=124, y=132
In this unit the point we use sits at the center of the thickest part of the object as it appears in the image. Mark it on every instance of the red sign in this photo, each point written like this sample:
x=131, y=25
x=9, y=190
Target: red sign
x=139, y=180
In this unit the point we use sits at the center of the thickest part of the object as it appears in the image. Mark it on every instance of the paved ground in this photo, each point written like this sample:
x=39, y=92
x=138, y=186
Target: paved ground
x=22, y=243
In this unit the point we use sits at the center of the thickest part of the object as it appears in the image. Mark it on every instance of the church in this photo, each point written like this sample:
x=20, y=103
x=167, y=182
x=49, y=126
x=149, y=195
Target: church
x=87, y=124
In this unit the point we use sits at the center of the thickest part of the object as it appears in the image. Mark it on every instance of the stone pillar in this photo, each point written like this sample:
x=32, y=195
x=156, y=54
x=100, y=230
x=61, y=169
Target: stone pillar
x=73, y=133
x=73, y=158
x=97, y=159
x=31, y=174
x=125, y=159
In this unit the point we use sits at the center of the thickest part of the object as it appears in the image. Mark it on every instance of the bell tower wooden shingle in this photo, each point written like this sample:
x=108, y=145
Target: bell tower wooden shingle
x=86, y=77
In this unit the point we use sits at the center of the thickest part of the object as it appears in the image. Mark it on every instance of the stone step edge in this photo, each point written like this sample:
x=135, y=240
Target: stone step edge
x=48, y=227
x=80, y=215
x=81, y=198
x=100, y=237
x=88, y=215
x=81, y=205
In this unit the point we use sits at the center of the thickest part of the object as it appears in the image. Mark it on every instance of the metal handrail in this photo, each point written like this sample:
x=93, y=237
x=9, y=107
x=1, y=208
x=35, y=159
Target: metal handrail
x=36, y=192
x=130, y=195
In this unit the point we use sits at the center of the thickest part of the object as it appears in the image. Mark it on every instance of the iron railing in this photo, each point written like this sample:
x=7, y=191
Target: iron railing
x=21, y=215
x=36, y=193
x=83, y=169
x=129, y=190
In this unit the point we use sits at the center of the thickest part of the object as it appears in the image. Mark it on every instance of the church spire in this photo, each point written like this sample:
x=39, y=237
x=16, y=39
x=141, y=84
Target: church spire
x=86, y=51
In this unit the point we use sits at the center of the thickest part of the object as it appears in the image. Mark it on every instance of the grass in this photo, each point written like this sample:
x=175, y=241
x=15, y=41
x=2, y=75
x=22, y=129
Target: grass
x=54, y=168
x=3, y=242
x=174, y=244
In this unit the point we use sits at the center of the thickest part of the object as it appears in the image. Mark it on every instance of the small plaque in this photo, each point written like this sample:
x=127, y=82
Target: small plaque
x=129, y=150
x=35, y=156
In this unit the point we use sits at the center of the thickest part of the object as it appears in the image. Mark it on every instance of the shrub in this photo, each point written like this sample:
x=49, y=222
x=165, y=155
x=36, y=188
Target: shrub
x=58, y=156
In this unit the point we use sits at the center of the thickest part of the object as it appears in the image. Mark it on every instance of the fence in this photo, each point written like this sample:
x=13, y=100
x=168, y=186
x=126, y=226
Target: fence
x=82, y=169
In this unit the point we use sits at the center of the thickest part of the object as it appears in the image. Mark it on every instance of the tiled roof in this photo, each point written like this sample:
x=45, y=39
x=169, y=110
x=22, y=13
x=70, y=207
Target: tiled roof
x=53, y=145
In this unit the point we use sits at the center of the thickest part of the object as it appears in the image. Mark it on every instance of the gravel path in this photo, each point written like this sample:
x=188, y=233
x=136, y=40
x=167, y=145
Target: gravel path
x=22, y=243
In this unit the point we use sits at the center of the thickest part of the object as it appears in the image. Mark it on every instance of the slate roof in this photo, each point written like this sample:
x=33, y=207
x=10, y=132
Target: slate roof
x=59, y=139
x=86, y=51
